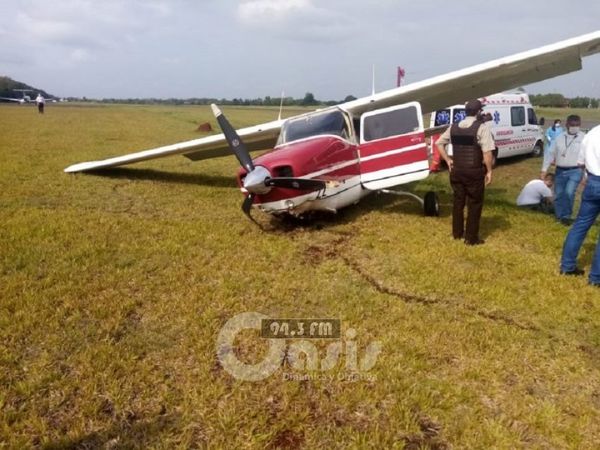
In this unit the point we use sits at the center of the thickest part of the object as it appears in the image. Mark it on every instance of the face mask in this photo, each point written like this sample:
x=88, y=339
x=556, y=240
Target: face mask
x=574, y=130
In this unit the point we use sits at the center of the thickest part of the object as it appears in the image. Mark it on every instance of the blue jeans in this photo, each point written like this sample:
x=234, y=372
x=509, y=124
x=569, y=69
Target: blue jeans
x=565, y=186
x=589, y=210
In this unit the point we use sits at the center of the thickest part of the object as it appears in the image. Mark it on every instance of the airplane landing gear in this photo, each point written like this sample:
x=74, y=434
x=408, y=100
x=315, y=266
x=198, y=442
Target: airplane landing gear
x=430, y=203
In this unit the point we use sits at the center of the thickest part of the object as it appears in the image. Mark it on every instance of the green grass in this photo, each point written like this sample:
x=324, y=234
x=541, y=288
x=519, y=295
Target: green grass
x=113, y=290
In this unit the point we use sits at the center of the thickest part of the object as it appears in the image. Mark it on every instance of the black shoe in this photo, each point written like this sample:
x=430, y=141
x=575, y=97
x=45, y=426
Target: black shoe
x=595, y=285
x=456, y=238
x=566, y=222
x=577, y=272
x=475, y=242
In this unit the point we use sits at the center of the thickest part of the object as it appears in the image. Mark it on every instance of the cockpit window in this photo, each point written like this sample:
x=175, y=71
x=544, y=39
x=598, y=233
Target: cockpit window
x=316, y=124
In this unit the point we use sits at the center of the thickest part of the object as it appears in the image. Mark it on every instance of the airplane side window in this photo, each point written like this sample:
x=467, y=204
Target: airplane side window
x=517, y=116
x=391, y=123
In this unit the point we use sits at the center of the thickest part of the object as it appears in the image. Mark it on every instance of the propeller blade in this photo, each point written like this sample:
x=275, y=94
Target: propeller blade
x=233, y=139
x=247, y=205
x=302, y=184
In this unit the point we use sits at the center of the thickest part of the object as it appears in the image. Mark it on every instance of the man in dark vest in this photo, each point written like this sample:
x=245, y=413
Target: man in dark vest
x=470, y=169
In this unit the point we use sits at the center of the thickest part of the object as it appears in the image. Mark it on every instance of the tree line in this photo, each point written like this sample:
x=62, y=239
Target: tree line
x=308, y=100
x=8, y=86
x=542, y=100
x=560, y=101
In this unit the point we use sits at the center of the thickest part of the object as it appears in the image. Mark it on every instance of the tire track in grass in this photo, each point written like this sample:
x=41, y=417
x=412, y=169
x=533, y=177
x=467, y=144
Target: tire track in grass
x=335, y=249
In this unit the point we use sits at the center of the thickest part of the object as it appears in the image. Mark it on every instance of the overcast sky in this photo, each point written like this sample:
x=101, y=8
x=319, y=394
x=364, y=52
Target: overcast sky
x=254, y=48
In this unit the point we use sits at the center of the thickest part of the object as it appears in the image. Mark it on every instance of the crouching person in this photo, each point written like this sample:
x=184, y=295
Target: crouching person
x=537, y=195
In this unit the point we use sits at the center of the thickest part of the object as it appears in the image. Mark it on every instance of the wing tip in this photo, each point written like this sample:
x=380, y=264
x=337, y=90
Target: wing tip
x=215, y=109
x=80, y=167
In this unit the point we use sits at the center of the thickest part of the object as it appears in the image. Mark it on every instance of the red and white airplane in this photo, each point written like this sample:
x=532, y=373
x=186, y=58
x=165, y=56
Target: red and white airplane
x=331, y=158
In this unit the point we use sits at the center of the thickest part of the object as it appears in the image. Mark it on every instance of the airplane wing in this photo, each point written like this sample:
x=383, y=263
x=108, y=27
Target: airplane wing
x=259, y=137
x=434, y=93
x=10, y=99
x=488, y=78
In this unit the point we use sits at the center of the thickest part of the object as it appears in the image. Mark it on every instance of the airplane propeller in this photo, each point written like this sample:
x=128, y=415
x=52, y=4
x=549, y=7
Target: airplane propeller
x=258, y=179
x=235, y=143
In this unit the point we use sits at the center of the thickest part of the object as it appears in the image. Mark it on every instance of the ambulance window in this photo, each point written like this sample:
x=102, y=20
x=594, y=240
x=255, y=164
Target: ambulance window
x=531, y=116
x=442, y=117
x=459, y=115
x=517, y=116
x=391, y=123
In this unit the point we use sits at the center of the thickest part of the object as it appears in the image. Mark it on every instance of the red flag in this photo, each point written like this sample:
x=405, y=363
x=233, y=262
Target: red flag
x=401, y=74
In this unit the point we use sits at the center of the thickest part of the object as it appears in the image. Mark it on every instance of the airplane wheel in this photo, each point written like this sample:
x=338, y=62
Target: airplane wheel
x=431, y=204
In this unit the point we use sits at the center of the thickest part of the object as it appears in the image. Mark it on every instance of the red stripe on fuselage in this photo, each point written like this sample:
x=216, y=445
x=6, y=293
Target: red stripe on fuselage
x=394, y=160
x=374, y=158
x=384, y=145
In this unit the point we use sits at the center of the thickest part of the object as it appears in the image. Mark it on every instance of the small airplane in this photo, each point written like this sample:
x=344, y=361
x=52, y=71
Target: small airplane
x=24, y=97
x=333, y=157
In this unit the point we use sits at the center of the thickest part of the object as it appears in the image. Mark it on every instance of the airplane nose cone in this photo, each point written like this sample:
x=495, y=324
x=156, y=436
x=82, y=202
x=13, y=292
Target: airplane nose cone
x=255, y=181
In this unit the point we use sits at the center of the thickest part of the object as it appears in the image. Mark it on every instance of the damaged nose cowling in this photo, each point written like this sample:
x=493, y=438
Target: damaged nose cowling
x=258, y=180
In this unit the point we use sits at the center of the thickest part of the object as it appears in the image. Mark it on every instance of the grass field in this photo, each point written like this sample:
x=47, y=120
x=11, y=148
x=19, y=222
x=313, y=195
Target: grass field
x=114, y=288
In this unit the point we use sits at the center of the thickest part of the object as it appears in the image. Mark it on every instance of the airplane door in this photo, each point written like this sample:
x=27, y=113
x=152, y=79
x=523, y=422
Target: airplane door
x=392, y=148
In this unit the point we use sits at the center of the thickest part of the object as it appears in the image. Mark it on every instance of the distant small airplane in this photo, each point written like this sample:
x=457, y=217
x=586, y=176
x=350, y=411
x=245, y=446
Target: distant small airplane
x=24, y=97
x=333, y=157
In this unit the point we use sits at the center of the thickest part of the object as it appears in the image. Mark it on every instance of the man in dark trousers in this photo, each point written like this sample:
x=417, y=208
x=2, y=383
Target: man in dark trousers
x=470, y=169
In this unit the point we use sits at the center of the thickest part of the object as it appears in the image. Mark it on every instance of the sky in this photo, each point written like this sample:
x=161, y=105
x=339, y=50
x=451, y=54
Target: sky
x=257, y=48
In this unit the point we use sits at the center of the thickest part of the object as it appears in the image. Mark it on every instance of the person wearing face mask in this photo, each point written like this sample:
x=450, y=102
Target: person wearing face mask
x=564, y=153
x=589, y=158
x=551, y=134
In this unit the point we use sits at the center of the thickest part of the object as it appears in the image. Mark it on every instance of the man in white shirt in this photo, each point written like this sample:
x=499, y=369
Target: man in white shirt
x=564, y=153
x=537, y=195
x=588, y=211
x=41, y=101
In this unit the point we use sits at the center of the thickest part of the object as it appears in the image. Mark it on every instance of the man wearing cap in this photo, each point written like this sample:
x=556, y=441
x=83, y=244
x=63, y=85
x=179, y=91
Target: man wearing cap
x=589, y=157
x=470, y=170
x=564, y=153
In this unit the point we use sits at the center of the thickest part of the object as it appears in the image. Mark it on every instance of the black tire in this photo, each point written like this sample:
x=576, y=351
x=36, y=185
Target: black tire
x=494, y=158
x=538, y=150
x=431, y=204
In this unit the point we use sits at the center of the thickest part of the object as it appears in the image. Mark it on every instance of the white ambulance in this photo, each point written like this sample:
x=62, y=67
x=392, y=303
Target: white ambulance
x=514, y=124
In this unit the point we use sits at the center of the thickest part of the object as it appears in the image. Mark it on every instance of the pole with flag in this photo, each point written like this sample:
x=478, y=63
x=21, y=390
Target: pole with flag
x=401, y=74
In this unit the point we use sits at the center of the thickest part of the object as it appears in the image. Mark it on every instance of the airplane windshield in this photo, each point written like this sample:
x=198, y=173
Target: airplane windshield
x=319, y=123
